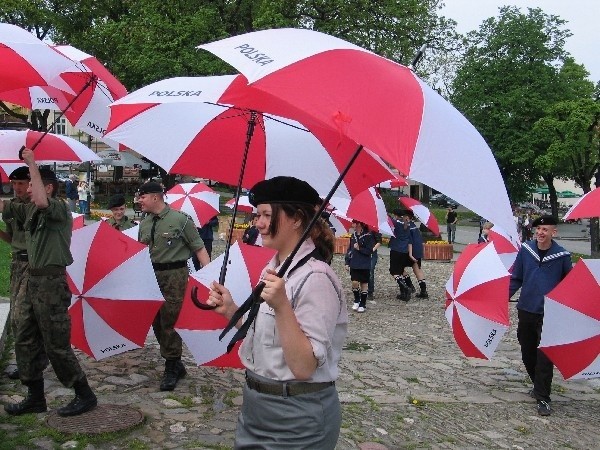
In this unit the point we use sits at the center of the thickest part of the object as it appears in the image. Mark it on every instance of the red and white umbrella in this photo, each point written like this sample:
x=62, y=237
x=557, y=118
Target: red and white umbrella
x=52, y=148
x=571, y=331
x=115, y=293
x=506, y=250
x=476, y=300
x=319, y=79
x=78, y=220
x=27, y=61
x=422, y=212
x=586, y=206
x=395, y=183
x=207, y=137
x=244, y=204
x=340, y=223
x=200, y=329
x=37, y=97
x=195, y=199
x=90, y=112
x=367, y=207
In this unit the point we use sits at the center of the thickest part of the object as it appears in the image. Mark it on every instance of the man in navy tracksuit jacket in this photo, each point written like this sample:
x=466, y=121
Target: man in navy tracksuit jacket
x=540, y=265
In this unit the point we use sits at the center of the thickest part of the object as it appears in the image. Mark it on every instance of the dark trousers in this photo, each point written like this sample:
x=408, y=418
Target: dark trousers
x=371, y=288
x=537, y=364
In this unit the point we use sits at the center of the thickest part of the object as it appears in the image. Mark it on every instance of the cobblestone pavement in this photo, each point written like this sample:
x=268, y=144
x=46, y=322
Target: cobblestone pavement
x=403, y=384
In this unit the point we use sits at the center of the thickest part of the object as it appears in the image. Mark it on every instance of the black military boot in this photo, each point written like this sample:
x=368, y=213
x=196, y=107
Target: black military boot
x=174, y=370
x=35, y=402
x=85, y=400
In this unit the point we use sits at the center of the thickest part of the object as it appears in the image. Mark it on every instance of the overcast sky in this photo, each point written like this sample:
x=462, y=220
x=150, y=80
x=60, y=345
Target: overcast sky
x=582, y=18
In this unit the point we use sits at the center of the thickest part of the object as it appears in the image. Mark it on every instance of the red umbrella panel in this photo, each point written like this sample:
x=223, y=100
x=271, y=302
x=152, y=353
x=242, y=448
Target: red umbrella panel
x=571, y=331
x=207, y=137
x=375, y=102
x=200, y=329
x=367, y=207
x=37, y=97
x=395, y=183
x=422, y=213
x=52, y=148
x=244, y=204
x=78, y=220
x=195, y=199
x=112, y=282
x=27, y=61
x=476, y=300
x=504, y=247
x=585, y=207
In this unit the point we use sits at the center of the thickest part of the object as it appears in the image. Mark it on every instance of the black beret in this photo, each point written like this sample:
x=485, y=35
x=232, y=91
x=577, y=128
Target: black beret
x=116, y=200
x=20, y=174
x=283, y=190
x=47, y=175
x=402, y=212
x=544, y=220
x=151, y=187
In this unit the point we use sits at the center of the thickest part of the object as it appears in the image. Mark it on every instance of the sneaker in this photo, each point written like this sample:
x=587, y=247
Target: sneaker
x=361, y=309
x=355, y=306
x=544, y=408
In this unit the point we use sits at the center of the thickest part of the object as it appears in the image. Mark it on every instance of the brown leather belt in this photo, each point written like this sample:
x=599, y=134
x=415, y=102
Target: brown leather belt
x=285, y=389
x=169, y=266
x=21, y=256
x=45, y=271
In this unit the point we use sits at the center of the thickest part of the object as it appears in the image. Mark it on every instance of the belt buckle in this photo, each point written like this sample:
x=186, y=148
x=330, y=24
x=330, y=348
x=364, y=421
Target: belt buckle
x=285, y=390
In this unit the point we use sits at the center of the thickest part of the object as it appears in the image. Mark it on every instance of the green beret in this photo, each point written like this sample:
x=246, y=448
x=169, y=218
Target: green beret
x=544, y=220
x=283, y=190
x=151, y=187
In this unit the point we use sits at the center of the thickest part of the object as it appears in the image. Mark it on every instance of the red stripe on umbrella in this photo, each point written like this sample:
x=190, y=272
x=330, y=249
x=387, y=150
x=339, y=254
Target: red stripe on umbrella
x=585, y=207
x=37, y=97
x=52, y=148
x=195, y=199
x=422, y=213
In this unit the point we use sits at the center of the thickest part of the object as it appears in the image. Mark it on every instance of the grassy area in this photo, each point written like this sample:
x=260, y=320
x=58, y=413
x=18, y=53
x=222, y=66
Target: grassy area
x=4, y=265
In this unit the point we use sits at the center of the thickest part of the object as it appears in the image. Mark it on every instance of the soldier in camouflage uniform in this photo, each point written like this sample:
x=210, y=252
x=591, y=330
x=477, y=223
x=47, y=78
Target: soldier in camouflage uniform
x=15, y=236
x=41, y=320
x=119, y=220
x=171, y=237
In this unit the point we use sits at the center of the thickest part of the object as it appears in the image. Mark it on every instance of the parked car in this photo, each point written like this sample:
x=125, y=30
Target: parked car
x=443, y=200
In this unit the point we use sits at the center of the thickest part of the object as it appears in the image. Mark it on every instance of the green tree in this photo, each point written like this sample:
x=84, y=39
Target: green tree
x=508, y=79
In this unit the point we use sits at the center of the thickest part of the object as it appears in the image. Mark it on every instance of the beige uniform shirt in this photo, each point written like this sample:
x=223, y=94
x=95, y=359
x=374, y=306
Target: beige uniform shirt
x=320, y=307
x=175, y=236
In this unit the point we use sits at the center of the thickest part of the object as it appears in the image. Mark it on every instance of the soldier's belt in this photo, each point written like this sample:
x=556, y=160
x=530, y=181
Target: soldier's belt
x=169, y=266
x=45, y=271
x=21, y=256
x=285, y=389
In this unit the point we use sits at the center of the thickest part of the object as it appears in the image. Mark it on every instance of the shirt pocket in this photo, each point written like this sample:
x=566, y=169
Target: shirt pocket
x=266, y=329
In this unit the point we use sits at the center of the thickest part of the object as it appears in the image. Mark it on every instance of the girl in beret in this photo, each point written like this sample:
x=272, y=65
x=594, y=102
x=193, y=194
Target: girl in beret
x=291, y=351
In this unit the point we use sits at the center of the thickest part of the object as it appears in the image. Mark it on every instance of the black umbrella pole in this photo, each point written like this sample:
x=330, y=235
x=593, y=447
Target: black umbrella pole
x=62, y=113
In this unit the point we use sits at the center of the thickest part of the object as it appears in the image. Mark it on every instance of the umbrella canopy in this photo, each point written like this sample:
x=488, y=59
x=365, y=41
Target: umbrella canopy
x=587, y=206
x=200, y=329
x=244, y=204
x=476, y=300
x=207, y=137
x=505, y=249
x=422, y=212
x=195, y=199
x=367, y=207
x=27, y=61
x=571, y=330
x=112, y=282
x=395, y=183
x=78, y=220
x=37, y=97
x=52, y=148
x=122, y=159
x=340, y=223
x=375, y=102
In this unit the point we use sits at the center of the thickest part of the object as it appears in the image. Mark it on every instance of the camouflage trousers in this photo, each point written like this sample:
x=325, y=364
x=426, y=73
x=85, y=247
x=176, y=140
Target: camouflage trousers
x=172, y=284
x=42, y=323
x=18, y=272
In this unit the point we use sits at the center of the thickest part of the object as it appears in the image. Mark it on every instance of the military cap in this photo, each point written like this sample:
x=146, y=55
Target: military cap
x=48, y=175
x=283, y=190
x=401, y=212
x=19, y=174
x=150, y=187
x=116, y=200
x=544, y=220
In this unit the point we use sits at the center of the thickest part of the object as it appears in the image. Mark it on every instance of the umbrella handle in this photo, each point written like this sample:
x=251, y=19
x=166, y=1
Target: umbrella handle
x=21, y=152
x=198, y=303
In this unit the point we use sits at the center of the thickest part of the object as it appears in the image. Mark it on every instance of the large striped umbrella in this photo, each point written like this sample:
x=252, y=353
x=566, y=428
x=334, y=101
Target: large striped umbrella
x=195, y=199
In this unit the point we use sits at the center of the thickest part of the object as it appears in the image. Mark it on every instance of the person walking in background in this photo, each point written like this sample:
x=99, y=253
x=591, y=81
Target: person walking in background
x=358, y=261
x=119, y=220
x=371, y=288
x=292, y=350
x=250, y=235
x=451, y=221
x=415, y=255
x=41, y=321
x=399, y=253
x=206, y=233
x=83, y=192
x=172, y=238
x=71, y=192
x=540, y=265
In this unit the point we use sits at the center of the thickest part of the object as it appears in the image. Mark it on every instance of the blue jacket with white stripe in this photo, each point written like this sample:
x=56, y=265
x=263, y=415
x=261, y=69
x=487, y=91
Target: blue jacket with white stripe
x=537, y=277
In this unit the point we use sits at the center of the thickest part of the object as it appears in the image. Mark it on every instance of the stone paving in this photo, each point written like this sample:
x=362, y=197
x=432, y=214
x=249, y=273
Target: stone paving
x=403, y=384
